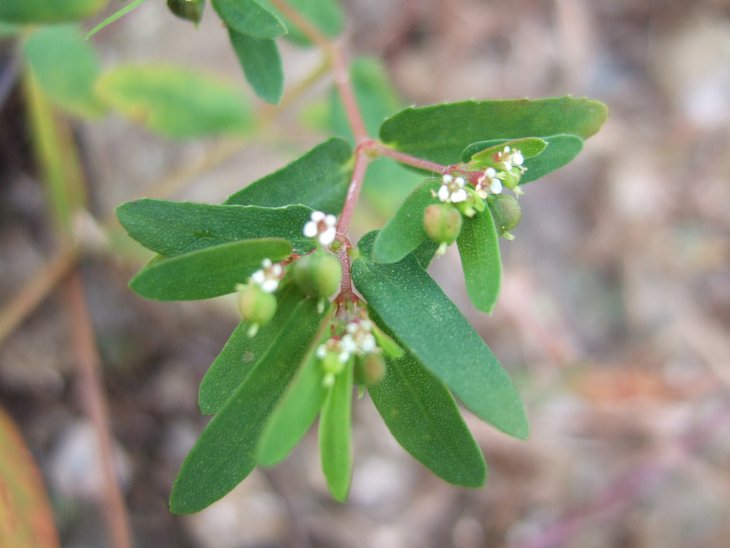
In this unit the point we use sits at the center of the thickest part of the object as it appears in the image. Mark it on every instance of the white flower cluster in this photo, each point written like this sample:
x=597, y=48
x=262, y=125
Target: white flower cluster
x=492, y=181
x=452, y=190
x=267, y=278
x=322, y=227
x=358, y=340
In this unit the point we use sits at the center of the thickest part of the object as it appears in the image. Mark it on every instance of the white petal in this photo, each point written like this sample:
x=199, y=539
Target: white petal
x=310, y=229
x=443, y=193
x=517, y=158
x=270, y=285
x=366, y=324
x=460, y=181
x=258, y=277
x=266, y=263
x=317, y=216
x=368, y=344
x=458, y=196
x=276, y=270
x=447, y=179
x=328, y=236
x=490, y=172
x=321, y=351
x=330, y=220
x=496, y=186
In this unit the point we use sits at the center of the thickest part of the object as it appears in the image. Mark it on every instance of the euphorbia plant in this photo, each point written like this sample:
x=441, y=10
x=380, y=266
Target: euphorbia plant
x=320, y=314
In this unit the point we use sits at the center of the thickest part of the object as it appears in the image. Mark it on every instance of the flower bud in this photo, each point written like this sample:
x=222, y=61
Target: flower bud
x=506, y=211
x=370, y=369
x=191, y=10
x=442, y=223
x=318, y=274
x=256, y=305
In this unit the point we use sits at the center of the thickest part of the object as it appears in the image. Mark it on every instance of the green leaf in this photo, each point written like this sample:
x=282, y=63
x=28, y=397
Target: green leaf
x=225, y=452
x=241, y=353
x=176, y=102
x=405, y=232
x=208, y=272
x=425, y=252
x=560, y=150
x=479, y=250
x=480, y=155
x=319, y=180
x=48, y=11
x=8, y=30
x=432, y=329
x=423, y=417
x=115, y=17
x=66, y=68
x=250, y=18
x=440, y=133
x=335, y=435
x=294, y=415
x=261, y=63
x=326, y=16
x=176, y=228
x=387, y=344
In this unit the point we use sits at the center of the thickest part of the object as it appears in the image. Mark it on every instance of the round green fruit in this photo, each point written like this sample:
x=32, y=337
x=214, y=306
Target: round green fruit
x=370, y=369
x=442, y=223
x=506, y=211
x=318, y=274
x=191, y=10
x=256, y=305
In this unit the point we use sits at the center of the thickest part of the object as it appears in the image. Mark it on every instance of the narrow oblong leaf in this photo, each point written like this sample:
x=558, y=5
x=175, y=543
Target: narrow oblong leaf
x=261, y=63
x=319, y=179
x=241, y=353
x=478, y=245
x=431, y=328
x=176, y=102
x=335, y=435
x=208, y=272
x=405, y=232
x=294, y=415
x=440, y=133
x=26, y=518
x=225, y=452
x=480, y=154
x=66, y=68
x=175, y=228
x=560, y=150
x=48, y=11
x=250, y=18
x=423, y=417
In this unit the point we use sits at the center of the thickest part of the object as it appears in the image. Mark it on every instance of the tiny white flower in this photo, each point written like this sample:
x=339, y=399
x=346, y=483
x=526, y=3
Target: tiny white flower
x=359, y=338
x=267, y=278
x=517, y=158
x=321, y=226
x=452, y=190
x=488, y=180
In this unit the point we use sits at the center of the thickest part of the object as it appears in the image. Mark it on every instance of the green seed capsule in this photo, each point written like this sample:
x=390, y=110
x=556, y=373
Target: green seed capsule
x=506, y=211
x=318, y=274
x=370, y=369
x=256, y=305
x=442, y=223
x=190, y=10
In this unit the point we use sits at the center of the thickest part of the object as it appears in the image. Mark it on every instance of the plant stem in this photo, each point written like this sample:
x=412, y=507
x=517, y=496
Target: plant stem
x=382, y=150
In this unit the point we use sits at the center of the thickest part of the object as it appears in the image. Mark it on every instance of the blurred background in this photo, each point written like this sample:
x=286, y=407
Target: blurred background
x=614, y=318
